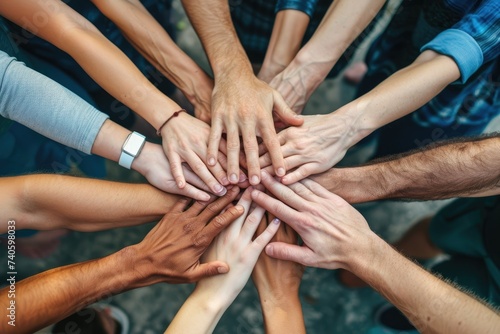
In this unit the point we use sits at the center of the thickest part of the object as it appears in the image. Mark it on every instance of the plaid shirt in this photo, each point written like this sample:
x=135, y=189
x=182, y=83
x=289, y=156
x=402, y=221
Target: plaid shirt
x=254, y=20
x=467, y=31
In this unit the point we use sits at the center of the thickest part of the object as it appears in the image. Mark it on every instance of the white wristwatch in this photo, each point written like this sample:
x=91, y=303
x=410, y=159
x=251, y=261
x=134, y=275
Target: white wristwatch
x=131, y=148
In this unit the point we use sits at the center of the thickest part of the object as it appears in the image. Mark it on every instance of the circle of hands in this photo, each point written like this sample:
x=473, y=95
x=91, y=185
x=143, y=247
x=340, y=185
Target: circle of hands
x=251, y=198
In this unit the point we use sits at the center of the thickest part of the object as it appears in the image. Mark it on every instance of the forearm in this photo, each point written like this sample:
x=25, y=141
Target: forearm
x=283, y=316
x=432, y=305
x=48, y=297
x=102, y=60
x=154, y=43
x=341, y=25
x=400, y=94
x=46, y=202
x=288, y=31
x=213, y=24
x=455, y=169
x=200, y=313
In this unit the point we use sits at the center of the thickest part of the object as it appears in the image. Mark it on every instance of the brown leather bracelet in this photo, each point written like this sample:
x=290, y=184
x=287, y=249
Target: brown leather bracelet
x=175, y=114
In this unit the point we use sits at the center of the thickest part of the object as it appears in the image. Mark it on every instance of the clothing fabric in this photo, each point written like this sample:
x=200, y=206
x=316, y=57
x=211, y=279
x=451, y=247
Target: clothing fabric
x=462, y=230
x=46, y=107
x=466, y=30
x=254, y=20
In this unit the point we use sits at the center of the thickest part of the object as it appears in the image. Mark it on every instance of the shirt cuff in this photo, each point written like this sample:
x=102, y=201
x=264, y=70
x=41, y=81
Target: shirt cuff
x=307, y=7
x=461, y=47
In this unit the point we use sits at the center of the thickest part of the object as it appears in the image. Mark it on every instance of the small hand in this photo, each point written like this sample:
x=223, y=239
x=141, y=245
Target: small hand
x=311, y=148
x=332, y=231
x=171, y=251
x=243, y=105
x=235, y=247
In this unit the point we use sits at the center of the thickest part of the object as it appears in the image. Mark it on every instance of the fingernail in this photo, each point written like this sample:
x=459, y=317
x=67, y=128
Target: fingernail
x=276, y=221
x=218, y=188
x=243, y=177
x=233, y=178
x=255, y=180
x=297, y=116
x=225, y=181
x=206, y=197
x=211, y=161
x=222, y=270
x=179, y=184
x=263, y=173
x=269, y=249
x=280, y=171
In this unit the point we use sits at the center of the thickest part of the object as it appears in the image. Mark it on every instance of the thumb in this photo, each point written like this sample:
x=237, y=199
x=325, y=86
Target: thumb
x=284, y=112
x=209, y=269
x=289, y=252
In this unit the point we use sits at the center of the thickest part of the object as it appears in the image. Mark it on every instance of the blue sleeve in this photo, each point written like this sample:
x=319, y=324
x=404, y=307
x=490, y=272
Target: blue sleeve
x=46, y=107
x=473, y=41
x=306, y=6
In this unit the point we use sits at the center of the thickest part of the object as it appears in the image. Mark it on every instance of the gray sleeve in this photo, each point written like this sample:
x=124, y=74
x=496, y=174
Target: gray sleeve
x=46, y=107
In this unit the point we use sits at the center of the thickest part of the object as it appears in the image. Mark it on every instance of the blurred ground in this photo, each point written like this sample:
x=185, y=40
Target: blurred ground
x=328, y=307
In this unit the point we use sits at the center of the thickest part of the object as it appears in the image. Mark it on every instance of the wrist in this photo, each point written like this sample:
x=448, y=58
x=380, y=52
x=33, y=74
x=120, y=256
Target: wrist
x=313, y=69
x=367, y=256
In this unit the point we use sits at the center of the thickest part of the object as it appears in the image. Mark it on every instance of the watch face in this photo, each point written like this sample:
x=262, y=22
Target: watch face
x=133, y=144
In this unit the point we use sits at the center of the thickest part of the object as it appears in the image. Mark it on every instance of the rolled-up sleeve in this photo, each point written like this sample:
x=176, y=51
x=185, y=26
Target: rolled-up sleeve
x=473, y=41
x=306, y=6
x=46, y=107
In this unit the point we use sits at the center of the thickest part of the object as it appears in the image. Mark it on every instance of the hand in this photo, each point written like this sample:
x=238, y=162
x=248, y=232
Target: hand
x=171, y=251
x=293, y=84
x=202, y=102
x=311, y=148
x=243, y=104
x=185, y=139
x=332, y=231
x=154, y=166
x=235, y=247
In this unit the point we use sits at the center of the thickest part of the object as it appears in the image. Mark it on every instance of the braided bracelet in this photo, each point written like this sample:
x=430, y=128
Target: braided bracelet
x=175, y=114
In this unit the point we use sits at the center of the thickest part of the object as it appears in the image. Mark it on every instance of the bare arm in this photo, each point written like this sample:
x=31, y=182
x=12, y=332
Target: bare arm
x=241, y=103
x=324, y=139
x=432, y=305
x=154, y=43
x=185, y=138
x=336, y=236
x=52, y=295
x=46, y=202
x=459, y=168
x=288, y=31
x=278, y=283
x=343, y=22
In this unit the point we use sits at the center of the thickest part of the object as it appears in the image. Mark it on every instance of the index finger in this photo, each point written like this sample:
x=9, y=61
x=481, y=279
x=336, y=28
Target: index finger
x=274, y=149
x=277, y=208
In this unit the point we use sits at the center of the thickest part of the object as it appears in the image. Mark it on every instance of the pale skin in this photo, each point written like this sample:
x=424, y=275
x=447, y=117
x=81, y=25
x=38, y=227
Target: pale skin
x=49, y=202
x=242, y=105
x=336, y=236
x=203, y=309
x=323, y=140
x=288, y=31
x=342, y=24
x=154, y=43
x=48, y=297
x=184, y=138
